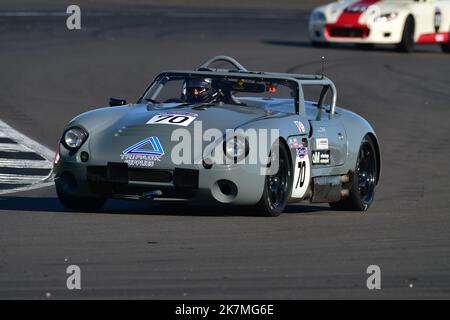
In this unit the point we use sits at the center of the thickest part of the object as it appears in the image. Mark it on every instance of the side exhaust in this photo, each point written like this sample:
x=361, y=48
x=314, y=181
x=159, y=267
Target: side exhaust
x=330, y=188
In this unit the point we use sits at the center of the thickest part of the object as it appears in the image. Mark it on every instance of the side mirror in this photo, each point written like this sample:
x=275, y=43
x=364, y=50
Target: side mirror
x=113, y=102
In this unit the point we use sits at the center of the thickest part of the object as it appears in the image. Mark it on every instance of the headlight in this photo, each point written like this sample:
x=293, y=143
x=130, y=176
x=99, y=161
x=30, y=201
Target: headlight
x=74, y=137
x=318, y=16
x=236, y=148
x=386, y=17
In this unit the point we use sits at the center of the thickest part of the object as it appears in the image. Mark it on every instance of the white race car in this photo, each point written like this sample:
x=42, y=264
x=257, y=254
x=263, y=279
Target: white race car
x=366, y=22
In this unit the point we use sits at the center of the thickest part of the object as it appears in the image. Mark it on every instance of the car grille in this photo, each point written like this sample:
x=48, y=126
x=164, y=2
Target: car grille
x=117, y=177
x=348, y=32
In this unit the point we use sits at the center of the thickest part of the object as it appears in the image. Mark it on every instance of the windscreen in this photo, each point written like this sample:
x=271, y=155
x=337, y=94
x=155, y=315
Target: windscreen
x=264, y=93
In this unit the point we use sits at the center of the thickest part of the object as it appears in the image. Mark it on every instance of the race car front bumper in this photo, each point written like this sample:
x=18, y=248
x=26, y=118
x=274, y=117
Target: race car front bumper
x=234, y=184
x=376, y=33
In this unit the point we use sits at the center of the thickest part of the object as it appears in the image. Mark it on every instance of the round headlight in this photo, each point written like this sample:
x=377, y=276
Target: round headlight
x=236, y=148
x=74, y=138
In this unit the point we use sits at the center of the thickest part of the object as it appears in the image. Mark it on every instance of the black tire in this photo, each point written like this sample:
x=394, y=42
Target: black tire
x=446, y=47
x=365, y=46
x=78, y=203
x=363, y=180
x=407, y=43
x=277, y=186
x=318, y=44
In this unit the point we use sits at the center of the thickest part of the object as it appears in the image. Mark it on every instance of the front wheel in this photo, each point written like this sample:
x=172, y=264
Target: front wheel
x=407, y=42
x=78, y=203
x=446, y=47
x=364, y=180
x=277, y=184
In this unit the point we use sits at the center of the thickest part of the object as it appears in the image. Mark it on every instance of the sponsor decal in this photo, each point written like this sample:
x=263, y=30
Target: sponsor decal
x=321, y=143
x=181, y=113
x=321, y=129
x=144, y=153
x=294, y=142
x=302, y=152
x=300, y=126
x=321, y=157
x=437, y=19
x=176, y=118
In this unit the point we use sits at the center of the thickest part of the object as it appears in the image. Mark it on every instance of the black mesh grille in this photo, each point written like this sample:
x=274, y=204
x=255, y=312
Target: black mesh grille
x=348, y=32
x=117, y=176
x=145, y=175
x=186, y=178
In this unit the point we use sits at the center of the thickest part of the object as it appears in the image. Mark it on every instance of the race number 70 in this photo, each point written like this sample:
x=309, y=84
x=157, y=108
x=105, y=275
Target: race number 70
x=172, y=119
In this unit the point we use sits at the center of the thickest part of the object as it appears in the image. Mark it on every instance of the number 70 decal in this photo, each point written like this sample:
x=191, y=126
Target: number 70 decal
x=173, y=119
x=302, y=174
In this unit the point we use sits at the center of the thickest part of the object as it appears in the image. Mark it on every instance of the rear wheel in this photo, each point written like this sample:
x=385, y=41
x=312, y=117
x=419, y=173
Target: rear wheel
x=364, y=180
x=73, y=202
x=407, y=43
x=277, y=184
x=446, y=47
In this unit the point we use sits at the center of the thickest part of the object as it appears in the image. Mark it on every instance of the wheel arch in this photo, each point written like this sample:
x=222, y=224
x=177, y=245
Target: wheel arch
x=284, y=143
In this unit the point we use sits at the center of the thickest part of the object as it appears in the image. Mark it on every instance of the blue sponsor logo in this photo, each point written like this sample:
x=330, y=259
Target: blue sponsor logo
x=302, y=152
x=142, y=147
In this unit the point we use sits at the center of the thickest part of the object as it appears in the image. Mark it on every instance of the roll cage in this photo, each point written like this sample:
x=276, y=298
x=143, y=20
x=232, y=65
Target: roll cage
x=301, y=80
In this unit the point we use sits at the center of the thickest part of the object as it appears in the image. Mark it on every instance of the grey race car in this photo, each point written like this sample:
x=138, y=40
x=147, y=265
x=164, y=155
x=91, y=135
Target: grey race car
x=226, y=136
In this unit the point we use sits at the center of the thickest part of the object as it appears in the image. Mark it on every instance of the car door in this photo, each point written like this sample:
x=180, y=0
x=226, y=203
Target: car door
x=428, y=19
x=441, y=15
x=328, y=142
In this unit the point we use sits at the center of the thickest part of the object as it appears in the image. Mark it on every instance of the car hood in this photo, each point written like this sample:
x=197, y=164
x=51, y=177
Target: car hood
x=334, y=10
x=109, y=144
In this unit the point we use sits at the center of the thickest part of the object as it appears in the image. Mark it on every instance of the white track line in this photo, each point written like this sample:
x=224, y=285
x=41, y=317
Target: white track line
x=27, y=142
x=34, y=182
x=32, y=164
x=28, y=187
x=11, y=147
x=19, y=178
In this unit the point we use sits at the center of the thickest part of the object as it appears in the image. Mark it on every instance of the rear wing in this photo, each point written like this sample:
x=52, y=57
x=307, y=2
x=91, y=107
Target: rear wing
x=302, y=80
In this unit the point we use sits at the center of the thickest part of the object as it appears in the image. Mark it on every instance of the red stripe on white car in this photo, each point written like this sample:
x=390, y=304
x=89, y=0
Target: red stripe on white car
x=350, y=20
x=440, y=37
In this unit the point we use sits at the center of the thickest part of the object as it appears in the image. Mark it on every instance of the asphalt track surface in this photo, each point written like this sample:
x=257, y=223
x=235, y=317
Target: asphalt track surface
x=129, y=250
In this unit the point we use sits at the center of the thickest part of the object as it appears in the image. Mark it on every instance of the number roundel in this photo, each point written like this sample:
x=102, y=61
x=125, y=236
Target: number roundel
x=173, y=119
x=302, y=175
